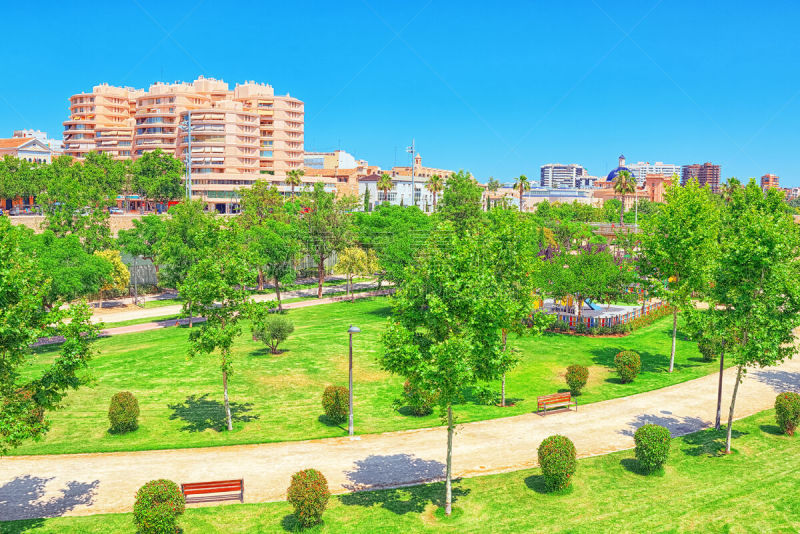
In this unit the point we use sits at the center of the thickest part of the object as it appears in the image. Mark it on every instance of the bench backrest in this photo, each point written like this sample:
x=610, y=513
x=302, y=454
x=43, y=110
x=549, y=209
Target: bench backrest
x=220, y=486
x=554, y=398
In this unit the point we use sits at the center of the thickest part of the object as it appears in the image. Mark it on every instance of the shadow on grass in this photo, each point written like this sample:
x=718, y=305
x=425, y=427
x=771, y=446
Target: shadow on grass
x=201, y=413
x=632, y=465
x=377, y=471
x=537, y=484
x=384, y=311
x=327, y=421
x=291, y=524
x=24, y=498
x=266, y=351
x=775, y=430
x=709, y=443
x=113, y=432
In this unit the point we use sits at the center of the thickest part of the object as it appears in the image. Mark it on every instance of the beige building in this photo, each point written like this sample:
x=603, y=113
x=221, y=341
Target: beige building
x=237, y=136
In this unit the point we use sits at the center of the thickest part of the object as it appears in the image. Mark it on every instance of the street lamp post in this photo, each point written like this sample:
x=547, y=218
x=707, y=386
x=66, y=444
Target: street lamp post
x=352, y=330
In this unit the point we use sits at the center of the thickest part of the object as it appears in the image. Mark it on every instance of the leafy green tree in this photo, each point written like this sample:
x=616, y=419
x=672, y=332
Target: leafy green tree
x=461, y=201
x=144, y=239
x=756, y=282
x=679, y=246
x=327, y=226
x=354, y=260
x=623, y=184
x=435, y=185
x=216, y=287
x=522, y=184
x=366, y=200
x=27, y=392
x=159, y=176
x=270, y=328
x=19, y=178
x=395, y=234
x=118, y=279
x=260, y=202
x=73, y=272
x=273, y=247
x=443, y=336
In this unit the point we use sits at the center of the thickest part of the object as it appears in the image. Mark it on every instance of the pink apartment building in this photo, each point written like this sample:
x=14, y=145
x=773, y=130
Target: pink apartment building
x=237, y=136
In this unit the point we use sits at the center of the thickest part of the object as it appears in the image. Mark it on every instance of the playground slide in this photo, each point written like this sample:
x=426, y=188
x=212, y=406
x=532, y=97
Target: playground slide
x=592, y=305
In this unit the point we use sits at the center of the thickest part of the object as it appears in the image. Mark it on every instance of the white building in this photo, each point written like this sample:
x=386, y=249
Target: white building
x=641, y=169
x=556, y=175
x=400, y=193
x=338, y=159
x=56, y=145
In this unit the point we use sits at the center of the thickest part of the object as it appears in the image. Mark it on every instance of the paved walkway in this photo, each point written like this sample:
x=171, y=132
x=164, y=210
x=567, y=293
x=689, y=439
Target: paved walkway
x=82, y=484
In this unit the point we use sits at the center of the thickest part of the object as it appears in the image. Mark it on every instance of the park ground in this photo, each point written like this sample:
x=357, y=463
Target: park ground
x=278, y=397
x=754, y=489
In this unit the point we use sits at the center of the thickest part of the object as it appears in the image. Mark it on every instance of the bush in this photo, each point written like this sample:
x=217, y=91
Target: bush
x=308, y=493
x=486, y=395
x=787, y=411
x=581, y=328
x=272, y=329
x=577, y=376
x=709, y=347
x=557, y=460
x=157, y=507
x=628, y=365
x=652, y=446
x=419, y=402
x=336, y=403
x=123, y=412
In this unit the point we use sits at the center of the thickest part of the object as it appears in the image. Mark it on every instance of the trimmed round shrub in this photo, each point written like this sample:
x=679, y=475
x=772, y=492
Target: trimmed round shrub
x=419, y=402
x=709, y=348
x=577, y=376
x=157, y=507
x=652, y=446
x=557, y=460
x=628, y=365
x=336, y=403
x=787, y=412
x=123, y=412
x=308, y=493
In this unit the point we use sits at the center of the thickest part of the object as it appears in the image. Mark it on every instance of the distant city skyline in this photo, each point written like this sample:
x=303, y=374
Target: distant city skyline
x=520, y=96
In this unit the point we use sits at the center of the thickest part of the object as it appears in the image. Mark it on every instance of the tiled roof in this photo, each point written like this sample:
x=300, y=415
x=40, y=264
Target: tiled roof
x=15, y=142
x=370, y=178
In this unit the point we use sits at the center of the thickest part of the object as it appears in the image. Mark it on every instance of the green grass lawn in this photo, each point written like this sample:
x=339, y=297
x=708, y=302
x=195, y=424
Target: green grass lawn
x=278, y=397
x=755, y=489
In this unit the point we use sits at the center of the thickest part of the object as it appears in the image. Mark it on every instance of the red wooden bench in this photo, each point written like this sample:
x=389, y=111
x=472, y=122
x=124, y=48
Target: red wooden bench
x=556, y=400
x=221, y=490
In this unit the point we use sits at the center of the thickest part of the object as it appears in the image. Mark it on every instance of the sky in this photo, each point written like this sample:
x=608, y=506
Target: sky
x=495, y=88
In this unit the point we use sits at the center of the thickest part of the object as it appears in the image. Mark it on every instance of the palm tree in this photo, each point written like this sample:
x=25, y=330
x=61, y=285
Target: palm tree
x=493, y=185
x=435, y=185
x=385, y=184
x=523, y=185
x=727, y=189
x=624, y=184
x=293, y=178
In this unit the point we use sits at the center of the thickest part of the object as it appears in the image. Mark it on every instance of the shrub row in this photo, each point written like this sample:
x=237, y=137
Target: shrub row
x=581, y=328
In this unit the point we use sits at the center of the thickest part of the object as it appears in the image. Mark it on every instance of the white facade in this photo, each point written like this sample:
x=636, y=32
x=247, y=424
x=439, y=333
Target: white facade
x=556, y=175
x=641, y=169
x=400, y=194
x=56, y=145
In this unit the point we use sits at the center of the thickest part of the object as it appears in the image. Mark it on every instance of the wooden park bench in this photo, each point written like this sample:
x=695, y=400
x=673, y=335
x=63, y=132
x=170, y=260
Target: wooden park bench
x=221, y=490
x=556, y=400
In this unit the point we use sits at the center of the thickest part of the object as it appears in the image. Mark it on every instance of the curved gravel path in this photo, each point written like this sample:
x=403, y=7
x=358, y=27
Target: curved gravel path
x=81, y=484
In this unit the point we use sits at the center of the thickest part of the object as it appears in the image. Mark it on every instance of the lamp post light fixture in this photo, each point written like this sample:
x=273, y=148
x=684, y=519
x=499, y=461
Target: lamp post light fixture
x=352, y=330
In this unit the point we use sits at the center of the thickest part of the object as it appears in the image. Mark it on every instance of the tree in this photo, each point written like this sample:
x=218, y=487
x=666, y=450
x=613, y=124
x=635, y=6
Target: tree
x=28, y=392
x=159, y=176
x=461, y=201
x=492, y=186
x=522, y=184
x=366, y=200
x=119, y=277
x=327, y=226
x=726, y=190
x=270, y=328
x=353, y=260
x=442, y=336
x=73, y=272
x=144, y=239
x=384, y=184
x=678, y=247
x=216, y=286
x=435, y=186
x=755, y=281
x=294, y=178
x=624, y=184
x=273, y=247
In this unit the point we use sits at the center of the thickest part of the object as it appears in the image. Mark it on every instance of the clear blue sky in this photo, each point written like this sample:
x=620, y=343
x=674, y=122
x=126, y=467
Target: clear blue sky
x=497, y=88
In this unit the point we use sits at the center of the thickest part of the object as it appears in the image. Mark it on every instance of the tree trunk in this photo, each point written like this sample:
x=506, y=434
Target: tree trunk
x=225, y=395
x=260, y=280
x=719, y=390
x=622, y=211
x=674, y=338
x=448, y=484
x=321, y=274
x=190, y=314
x=350, y=288
x=503, y=381
x=733, y=404
x=278, y=294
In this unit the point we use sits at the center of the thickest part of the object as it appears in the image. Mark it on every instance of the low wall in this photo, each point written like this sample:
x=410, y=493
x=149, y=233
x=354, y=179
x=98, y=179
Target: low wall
x=116, y=222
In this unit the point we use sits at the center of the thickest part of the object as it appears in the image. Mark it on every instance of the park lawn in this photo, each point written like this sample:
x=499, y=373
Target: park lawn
x=755, y=489
x=278, y=397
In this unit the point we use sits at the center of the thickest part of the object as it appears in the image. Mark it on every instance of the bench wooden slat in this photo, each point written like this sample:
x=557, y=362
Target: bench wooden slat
x=555, y=400
x=216, y=483
x=220, y=490
x=237, y=489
